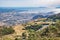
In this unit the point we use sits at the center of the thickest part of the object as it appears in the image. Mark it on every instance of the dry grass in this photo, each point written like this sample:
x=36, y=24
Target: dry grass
x=19, y=29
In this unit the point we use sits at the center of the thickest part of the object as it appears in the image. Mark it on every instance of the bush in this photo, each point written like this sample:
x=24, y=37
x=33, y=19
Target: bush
x=34, y=27
x=6, y=30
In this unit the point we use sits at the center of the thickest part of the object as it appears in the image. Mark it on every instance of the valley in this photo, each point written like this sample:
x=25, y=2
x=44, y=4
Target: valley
x=14, y=16
x=29, y=25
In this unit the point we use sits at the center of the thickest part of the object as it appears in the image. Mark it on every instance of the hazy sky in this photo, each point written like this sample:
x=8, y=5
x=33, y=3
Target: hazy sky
x=29, y=3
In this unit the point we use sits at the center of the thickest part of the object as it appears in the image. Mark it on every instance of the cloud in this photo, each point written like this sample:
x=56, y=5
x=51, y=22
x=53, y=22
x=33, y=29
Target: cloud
x=30, y=3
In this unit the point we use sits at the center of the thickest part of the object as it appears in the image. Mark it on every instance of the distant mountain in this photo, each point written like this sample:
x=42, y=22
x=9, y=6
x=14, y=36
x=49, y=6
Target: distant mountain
x=55, y=16
x=48, y=14
x=43, y=15
x=38, y=16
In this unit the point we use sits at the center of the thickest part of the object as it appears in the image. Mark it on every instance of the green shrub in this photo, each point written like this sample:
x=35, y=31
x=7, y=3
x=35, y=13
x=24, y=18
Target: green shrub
x=33, y=27
x=6, y=30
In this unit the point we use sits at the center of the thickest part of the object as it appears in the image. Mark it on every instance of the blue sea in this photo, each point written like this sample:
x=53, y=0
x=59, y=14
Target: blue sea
x=8, y=9
x=20, y=9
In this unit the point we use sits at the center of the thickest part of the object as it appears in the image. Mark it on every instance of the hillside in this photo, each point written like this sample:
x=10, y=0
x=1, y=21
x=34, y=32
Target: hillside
x=19, y=29
x=38, y=31
x=56, y=16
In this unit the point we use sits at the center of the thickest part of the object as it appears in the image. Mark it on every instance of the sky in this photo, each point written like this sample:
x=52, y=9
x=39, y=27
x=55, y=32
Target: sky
x=30, y=3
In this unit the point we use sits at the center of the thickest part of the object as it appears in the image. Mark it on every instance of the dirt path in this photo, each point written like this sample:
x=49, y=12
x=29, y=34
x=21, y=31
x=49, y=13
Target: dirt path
x=19, y=29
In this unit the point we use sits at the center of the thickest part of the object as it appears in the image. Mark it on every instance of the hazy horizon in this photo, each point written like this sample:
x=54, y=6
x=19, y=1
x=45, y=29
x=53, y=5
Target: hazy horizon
x=30, y=3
